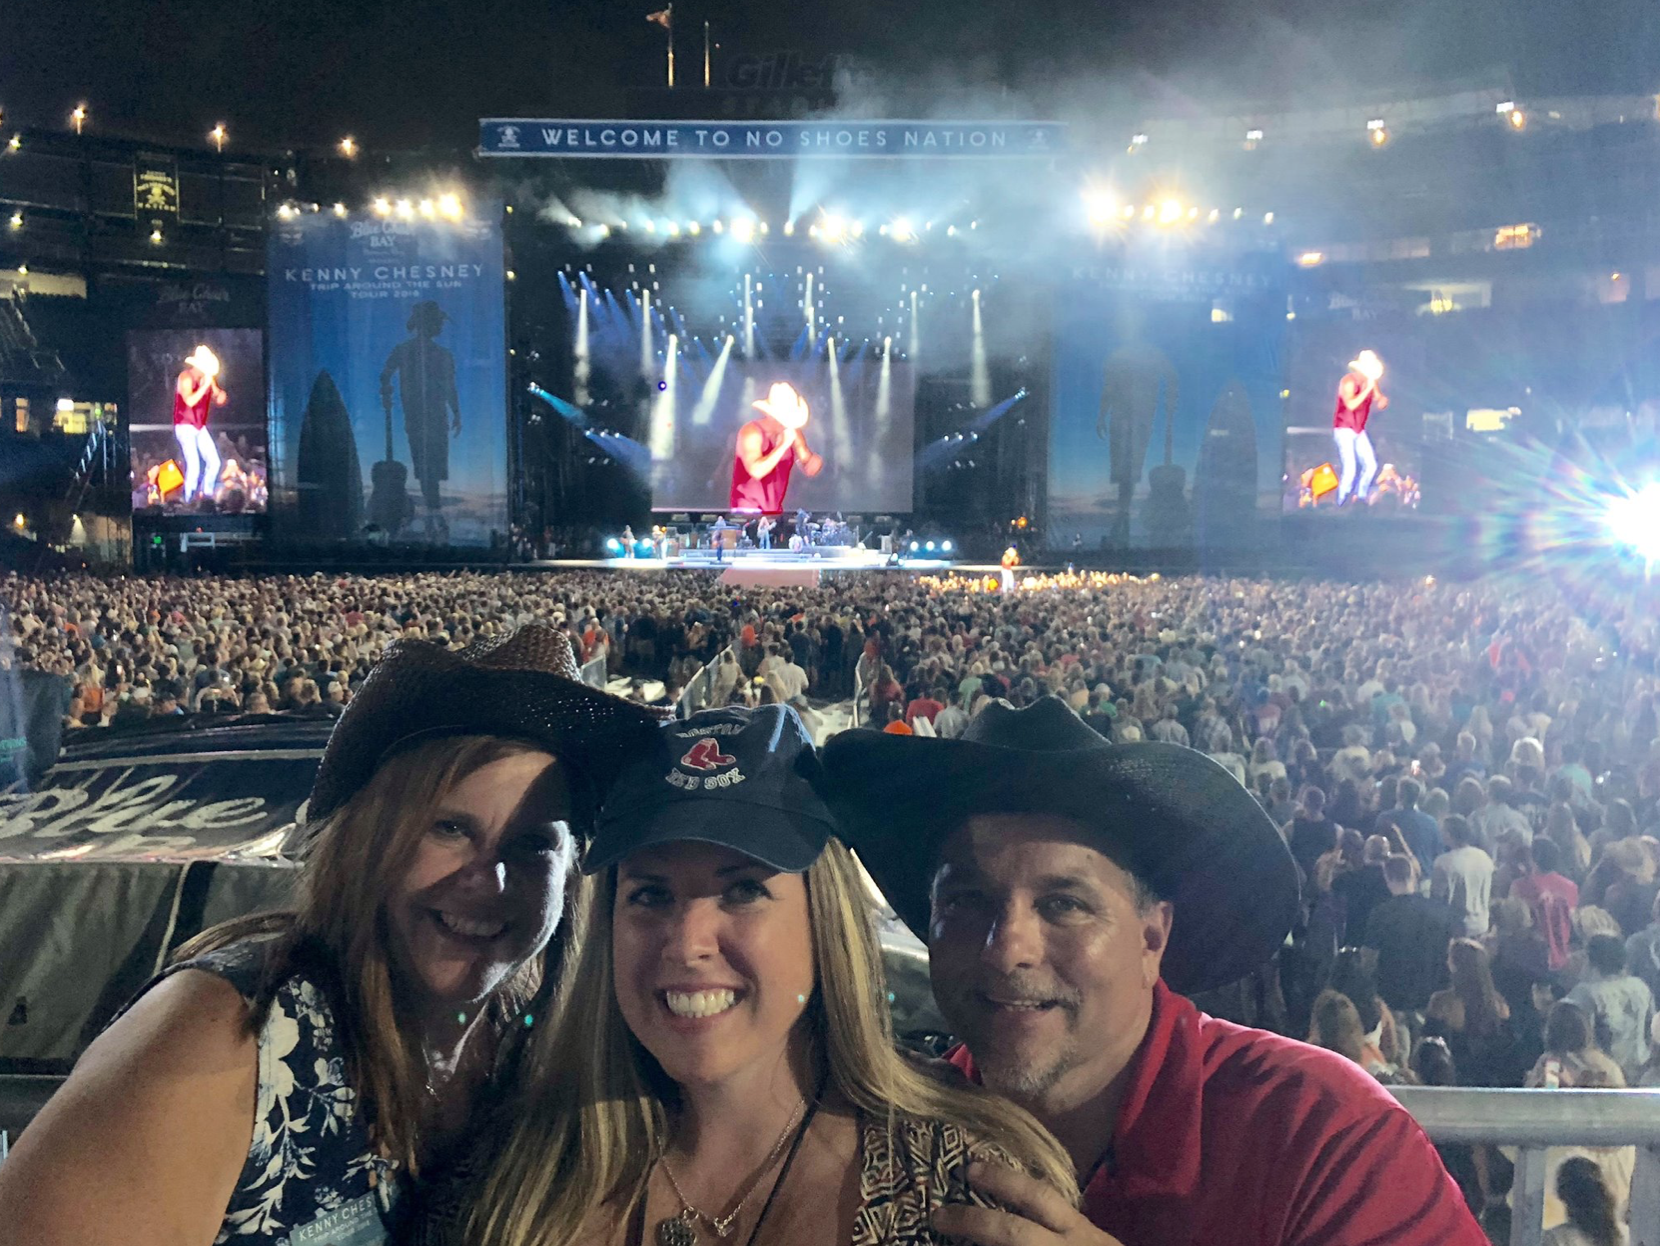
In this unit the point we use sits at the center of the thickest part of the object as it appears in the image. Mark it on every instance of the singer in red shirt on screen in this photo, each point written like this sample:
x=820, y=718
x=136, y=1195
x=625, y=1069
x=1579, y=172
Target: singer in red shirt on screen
x=1357, y=396
x=195, y=394
x=768, y=448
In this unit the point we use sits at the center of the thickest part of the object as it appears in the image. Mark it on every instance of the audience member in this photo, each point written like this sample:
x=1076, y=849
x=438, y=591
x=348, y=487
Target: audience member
x=1463, y=877
x=1619, y=1003
x=1410, y=933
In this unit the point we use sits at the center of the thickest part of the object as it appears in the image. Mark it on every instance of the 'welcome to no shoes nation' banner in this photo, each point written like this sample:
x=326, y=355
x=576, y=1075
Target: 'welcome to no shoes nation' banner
x=766, y=140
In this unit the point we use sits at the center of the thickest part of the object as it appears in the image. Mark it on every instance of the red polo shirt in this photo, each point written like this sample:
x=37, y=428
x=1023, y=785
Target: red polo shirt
x=1235, y=1135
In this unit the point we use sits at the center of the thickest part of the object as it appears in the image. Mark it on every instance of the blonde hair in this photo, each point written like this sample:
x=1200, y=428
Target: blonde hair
x=580, y=1140
x=1334, y=1024
x=336, y=931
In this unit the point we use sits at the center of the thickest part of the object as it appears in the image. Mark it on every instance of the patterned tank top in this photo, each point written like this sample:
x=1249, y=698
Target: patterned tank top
x=311, y=1177
x=908, y=1168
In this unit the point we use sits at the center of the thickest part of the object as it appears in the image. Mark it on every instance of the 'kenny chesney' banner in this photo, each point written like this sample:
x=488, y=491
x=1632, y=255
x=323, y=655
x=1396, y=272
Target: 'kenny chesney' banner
x=765, y=140
x=388, y=376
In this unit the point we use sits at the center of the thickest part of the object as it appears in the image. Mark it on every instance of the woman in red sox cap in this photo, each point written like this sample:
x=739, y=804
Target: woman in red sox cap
x=724, y=1068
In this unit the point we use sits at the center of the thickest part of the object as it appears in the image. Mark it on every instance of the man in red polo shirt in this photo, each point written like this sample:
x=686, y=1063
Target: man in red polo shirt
x=1068, y=889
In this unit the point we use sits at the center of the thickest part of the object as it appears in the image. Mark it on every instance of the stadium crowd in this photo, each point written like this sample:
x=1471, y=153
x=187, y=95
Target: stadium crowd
x=1466, y=775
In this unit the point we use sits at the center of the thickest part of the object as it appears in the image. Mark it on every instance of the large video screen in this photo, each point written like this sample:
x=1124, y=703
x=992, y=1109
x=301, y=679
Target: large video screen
x=860, y=414
x=1372, y=461
x=207, y=456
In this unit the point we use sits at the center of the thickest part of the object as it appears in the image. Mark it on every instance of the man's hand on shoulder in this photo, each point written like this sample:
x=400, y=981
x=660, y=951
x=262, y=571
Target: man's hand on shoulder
x=1036, y=1215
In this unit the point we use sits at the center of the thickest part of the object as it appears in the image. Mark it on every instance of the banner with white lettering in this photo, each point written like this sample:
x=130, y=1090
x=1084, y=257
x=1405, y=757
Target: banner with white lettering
x=388, y=375
x=140, y=809
x=766, y=140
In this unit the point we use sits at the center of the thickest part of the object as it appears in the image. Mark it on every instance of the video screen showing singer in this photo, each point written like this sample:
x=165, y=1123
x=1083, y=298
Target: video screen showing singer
x=768, y=449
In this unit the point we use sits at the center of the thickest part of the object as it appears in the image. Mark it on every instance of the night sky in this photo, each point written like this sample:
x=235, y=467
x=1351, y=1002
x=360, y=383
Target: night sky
x=412, y=73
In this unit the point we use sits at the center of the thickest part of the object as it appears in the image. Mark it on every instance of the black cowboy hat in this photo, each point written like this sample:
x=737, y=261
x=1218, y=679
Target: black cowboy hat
x=1173, y=817
x=525, y=685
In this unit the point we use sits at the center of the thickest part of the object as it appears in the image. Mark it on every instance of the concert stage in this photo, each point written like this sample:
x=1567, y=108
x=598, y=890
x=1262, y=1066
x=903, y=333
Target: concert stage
x=775, y=567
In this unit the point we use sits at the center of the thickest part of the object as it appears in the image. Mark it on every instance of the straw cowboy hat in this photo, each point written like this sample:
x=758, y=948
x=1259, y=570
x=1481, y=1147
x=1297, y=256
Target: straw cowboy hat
x=525, y=685
x=1177, y=820
x=784, y=405
x=1367, y=364
x=204, y=360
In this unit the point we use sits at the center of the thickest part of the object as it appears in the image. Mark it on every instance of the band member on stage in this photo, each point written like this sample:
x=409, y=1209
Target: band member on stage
x=717, y=536
x=195, y=393
x=1357, y=395
x=763, y=531
x=425, y=373
x=768, y=448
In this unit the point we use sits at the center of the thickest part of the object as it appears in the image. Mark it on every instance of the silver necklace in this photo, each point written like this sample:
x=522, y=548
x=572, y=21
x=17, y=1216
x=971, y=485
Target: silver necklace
x=681, y=1229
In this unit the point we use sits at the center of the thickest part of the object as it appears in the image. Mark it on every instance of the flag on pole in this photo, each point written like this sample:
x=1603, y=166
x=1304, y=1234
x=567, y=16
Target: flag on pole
x=663, y=17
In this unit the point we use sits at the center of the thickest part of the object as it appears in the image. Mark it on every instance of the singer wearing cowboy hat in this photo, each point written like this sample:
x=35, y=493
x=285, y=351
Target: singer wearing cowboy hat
x=1357, y=394
x=1069, y=889
x=195, y=393
x=768, y=448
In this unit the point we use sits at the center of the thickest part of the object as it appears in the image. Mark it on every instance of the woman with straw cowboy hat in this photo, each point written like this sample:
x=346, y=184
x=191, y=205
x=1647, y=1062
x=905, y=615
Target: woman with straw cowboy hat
x=290, y=1073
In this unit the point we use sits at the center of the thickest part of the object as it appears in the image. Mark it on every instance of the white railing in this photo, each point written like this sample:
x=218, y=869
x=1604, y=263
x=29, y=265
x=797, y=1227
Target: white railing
x=1531, y=1121
x=594, y=674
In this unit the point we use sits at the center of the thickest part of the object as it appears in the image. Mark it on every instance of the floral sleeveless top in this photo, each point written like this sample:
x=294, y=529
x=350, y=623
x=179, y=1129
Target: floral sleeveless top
x=311, y=1177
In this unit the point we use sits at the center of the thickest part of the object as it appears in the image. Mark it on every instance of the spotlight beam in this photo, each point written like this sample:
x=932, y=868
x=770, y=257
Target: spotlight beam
x=581, y=365
x=841, y=436
x=663, y=408
x=749, y=317
x=979, y=372
x=704, y=411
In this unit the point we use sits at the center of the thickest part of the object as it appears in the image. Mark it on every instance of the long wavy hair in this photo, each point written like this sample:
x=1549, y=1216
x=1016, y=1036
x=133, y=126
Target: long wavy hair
x=1472, y=982
x=593, y=1114
x=337, y=931
x=1588, y=1201
x=1334, y=1024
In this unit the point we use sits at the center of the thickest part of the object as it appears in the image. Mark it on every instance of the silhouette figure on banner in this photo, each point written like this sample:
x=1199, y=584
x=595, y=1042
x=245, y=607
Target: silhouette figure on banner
x=1225, y=481
x=425, y=374
x=1138, y=376
x=327, y=473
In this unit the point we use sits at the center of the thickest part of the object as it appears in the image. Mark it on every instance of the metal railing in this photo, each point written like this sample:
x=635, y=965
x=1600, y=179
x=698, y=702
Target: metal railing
x=594, y=673
x=1530, y=1120
x=1533, y=1120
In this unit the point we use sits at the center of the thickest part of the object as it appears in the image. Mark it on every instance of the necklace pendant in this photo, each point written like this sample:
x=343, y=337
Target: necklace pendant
x=676, y=1231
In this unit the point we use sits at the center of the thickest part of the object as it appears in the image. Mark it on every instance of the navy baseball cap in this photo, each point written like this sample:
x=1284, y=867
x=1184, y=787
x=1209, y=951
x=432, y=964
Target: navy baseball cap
x=739, y=778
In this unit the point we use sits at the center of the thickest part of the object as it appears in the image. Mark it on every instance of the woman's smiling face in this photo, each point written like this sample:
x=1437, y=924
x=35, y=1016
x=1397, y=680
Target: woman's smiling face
x=713, y=959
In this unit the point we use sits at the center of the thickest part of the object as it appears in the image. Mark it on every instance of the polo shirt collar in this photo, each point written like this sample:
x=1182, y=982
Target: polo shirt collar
x=1155, y=1144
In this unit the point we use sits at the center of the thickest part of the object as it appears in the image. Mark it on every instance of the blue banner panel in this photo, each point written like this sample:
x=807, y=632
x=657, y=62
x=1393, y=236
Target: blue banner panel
x=388, y=378
x=1166, y=416
x=765, y=140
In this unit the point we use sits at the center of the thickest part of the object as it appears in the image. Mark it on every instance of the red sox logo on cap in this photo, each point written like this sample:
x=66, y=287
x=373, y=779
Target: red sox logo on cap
x=706, y=755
